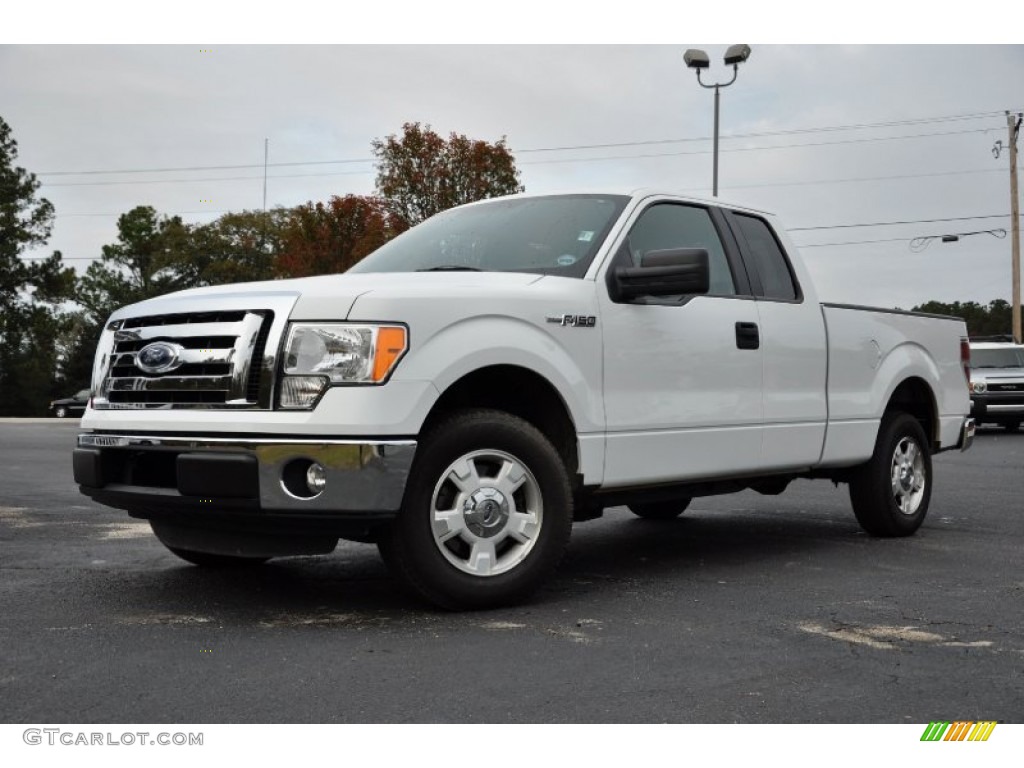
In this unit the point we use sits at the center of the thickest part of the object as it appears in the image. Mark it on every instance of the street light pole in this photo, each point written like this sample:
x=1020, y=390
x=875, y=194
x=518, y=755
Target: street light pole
x=718, y=99
x=697, y=59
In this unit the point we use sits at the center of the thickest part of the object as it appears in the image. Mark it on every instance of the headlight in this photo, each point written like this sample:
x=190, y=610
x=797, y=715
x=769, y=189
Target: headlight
x=317, y=355
x=977, y=387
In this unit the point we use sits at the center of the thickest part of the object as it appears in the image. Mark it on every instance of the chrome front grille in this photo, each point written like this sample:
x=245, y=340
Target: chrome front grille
x=217, y=360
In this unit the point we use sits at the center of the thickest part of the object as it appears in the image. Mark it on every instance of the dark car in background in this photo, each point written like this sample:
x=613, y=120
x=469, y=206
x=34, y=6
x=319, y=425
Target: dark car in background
x=70, y=406
x=997, y=384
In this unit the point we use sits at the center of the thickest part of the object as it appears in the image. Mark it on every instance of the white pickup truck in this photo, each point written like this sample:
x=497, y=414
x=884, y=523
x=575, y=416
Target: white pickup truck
x=472, y=388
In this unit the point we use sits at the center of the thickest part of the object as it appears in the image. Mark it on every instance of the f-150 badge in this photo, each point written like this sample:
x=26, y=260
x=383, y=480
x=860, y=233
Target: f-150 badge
x=576, y=321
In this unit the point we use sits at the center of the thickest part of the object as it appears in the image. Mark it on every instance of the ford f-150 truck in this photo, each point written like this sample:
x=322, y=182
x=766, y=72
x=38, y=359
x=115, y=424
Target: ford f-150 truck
x=476, y=385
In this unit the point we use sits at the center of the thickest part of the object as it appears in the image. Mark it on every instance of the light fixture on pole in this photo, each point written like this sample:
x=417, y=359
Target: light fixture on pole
x=697, y=60
x=918, y=244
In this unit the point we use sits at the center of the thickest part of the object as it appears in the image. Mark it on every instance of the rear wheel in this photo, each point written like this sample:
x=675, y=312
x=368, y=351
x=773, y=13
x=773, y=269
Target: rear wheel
x=60, y=411
x=660, y=510
x=891, y=492
x=486, y=516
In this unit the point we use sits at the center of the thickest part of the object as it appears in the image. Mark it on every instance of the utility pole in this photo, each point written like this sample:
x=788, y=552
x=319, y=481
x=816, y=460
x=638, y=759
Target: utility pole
x=1013, y=125
x=263, y=222
x=266, y=154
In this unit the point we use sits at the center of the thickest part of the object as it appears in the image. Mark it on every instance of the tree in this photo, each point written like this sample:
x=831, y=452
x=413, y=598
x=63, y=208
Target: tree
x=982, y=320
x=237, y=247
x=30, y=292
x=421, y=174
x=150, y=258
x=321, y=239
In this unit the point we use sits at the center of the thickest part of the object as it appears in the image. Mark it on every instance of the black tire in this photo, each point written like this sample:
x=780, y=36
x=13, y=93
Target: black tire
x=660, y=510
x=884, y=491
x=472, y=558
x=207, y=560
x=60, y=411
x=1011, y=426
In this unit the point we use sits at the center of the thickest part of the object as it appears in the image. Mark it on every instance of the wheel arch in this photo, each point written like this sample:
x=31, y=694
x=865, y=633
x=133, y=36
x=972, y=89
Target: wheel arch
x=913, y=395
x=521, y=392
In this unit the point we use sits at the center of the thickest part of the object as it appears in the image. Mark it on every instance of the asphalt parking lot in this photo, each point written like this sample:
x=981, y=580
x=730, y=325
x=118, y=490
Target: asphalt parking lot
x=747, y=609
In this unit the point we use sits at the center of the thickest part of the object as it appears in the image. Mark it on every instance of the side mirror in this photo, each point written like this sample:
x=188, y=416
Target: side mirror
x=670, y=272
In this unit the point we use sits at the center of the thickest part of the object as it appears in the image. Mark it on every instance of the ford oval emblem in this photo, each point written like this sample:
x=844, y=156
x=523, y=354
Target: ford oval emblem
x=159, y=357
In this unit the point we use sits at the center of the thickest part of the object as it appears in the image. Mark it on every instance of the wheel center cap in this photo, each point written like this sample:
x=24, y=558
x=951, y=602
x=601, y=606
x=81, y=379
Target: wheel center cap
x=485, y=512
x=906, y=477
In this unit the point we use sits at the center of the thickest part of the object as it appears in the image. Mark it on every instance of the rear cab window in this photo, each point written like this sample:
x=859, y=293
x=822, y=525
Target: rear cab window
x=770, y=268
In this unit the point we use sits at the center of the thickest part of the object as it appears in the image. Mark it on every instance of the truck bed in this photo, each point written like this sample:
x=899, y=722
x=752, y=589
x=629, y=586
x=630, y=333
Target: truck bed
x=867, y=346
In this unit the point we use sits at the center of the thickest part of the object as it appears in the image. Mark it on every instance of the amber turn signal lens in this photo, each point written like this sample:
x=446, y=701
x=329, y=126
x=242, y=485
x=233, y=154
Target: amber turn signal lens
x=391, y=344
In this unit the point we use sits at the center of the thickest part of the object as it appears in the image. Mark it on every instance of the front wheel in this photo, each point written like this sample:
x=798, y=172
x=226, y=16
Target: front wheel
x=1011, y=426
x=890, y=493
x=60, y=412
x=486, y=516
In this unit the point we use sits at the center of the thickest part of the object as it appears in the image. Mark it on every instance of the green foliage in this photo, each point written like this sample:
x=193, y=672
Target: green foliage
x=236, y=247
x=150, y=258
x=982, y=320
x=421, y=174
x=30, y=292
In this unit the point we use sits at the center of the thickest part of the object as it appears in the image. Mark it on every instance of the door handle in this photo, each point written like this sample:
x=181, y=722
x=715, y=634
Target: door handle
x=747, y=336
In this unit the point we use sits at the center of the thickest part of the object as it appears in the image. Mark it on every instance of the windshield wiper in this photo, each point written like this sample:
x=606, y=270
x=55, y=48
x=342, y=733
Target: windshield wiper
x=450, y=268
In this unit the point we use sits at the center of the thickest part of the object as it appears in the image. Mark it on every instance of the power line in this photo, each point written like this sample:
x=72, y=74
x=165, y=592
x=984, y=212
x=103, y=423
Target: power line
x=753, y=148
x=789, y=132
x=609, y=145
x=896, y=223
x=916, y=248
x=801, y=247
x=121, y=213
x=202, y=181
x=854, y=179
x=946, y=220
x=364, y=173
x=205, y=167
x=855, y=242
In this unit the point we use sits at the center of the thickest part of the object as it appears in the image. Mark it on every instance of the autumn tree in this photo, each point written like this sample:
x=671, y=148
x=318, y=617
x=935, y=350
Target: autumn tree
x=31, y=291
x=237, y=247
x=327, y=238
x=420, y=173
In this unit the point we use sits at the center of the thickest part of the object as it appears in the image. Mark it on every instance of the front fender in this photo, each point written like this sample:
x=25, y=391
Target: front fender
x=561, y=357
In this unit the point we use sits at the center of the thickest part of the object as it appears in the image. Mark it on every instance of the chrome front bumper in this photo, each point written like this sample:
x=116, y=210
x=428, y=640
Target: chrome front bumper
x=203, y=472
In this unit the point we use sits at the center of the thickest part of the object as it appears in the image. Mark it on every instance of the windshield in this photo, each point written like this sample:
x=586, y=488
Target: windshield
x=554, y=235
x=1010, y=357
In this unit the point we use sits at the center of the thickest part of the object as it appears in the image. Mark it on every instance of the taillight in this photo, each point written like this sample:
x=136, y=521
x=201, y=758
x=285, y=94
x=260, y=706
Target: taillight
x=965, y=360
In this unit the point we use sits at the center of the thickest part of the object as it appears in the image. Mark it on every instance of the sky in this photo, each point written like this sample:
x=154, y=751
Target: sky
x=826, y=136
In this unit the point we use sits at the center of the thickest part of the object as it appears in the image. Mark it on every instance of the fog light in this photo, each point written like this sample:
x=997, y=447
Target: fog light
x=316, y=478
x=301, y=391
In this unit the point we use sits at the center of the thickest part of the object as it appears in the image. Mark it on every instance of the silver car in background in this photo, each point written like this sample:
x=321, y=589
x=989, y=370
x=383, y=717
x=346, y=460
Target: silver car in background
x=997, y=383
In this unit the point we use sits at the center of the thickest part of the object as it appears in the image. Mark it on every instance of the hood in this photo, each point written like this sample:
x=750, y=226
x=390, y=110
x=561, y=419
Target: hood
x=330, y=297
x=322, y=301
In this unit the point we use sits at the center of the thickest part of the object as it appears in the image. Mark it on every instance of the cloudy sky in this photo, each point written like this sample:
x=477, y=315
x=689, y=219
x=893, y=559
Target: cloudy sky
x=826, y=136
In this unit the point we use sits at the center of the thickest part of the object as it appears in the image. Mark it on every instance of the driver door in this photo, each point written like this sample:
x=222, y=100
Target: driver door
x=682, y=374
